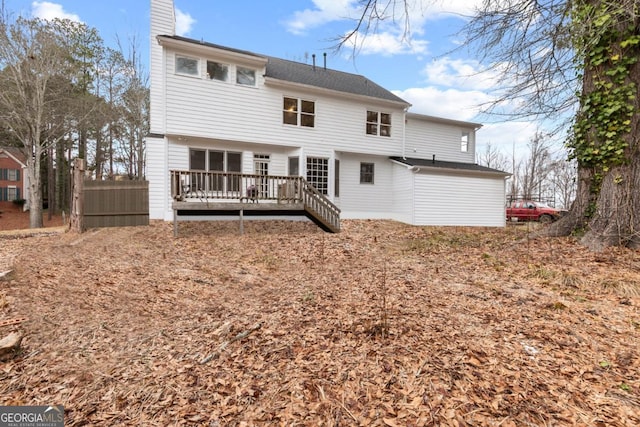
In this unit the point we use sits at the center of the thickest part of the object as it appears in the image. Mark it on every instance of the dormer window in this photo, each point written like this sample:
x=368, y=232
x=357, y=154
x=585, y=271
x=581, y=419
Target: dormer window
x=217, y=71
x=298, y=112
x=245, y=76
x=188, y=66
x=378, y=123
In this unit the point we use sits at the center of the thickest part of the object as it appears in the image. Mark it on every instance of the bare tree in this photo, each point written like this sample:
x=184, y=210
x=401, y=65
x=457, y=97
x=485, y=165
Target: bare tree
x=493, y=158
x=34, y=62
x=563, y=177
x=135, y=113
x=536, y=168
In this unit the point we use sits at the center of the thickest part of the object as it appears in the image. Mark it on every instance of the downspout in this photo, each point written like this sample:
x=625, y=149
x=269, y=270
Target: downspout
x=404, y=133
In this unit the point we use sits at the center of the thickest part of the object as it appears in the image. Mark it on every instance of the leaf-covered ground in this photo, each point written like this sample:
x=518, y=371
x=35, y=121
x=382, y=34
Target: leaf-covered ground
x=383, y=324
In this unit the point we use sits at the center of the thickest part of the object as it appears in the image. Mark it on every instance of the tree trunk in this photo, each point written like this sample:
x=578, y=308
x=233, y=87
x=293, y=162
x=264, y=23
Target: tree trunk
x=608, y=194
x=51, y=194
x=77, y=202
x=35, y=187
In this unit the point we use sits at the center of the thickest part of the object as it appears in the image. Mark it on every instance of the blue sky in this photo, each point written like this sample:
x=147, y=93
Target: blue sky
x=420, y=68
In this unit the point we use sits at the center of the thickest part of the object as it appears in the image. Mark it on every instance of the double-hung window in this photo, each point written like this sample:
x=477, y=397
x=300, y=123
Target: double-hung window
x=378, y=123
x=299, y=112
x=188, y=66
x=366, y=173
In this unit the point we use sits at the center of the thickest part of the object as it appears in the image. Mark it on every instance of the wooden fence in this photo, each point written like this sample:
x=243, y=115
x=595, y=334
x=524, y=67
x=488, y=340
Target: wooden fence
x=115, y=203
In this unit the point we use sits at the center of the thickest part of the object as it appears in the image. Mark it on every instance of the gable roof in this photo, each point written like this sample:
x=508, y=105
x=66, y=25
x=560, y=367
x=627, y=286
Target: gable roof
x=16, y=154
x=326, y=78
x=306, y=74
x=440, y=164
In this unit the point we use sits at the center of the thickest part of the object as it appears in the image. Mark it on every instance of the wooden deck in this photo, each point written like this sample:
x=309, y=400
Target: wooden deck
x=198, y=193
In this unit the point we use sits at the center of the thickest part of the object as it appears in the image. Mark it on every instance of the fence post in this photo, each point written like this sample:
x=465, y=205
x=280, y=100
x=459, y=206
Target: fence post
x=77, y=201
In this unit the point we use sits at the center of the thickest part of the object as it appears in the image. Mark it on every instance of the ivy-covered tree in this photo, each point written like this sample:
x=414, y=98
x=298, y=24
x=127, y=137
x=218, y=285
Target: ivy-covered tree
x=561, y=58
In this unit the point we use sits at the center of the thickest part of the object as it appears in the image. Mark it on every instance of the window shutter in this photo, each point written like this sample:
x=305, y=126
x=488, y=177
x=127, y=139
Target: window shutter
x=3, y=174
x=17, y=174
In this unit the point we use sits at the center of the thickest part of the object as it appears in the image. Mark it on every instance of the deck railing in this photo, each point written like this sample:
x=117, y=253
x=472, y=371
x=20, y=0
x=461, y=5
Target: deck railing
x=201, y=186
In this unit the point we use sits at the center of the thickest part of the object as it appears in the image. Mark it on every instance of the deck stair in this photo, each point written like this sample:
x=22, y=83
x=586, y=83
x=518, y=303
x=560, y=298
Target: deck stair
x=215, y=193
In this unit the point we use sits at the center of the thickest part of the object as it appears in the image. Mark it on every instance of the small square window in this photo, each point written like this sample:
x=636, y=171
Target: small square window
x=217, y=71
x=245, y=76
x=366, y=173
x=298, y=112
x=378, y=123
x=187, y=66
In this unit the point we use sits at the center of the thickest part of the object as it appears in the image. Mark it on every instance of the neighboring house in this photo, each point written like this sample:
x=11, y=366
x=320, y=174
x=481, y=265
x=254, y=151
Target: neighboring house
x=217, y=112
x=13, y=180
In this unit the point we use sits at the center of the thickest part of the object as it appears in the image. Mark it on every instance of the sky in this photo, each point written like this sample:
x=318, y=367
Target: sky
x=426, y=67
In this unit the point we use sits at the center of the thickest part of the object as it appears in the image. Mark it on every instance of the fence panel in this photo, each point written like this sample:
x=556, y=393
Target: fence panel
x=116, y=203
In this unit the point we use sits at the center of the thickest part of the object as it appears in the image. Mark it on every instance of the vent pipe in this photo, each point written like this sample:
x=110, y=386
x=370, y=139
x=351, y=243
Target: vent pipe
x=434, y=159
x=325, y=60
x=314, y=61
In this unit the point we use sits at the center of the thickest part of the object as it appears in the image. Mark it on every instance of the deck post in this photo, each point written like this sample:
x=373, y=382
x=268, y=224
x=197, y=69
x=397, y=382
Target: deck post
x=175, y=223
x=241, y=222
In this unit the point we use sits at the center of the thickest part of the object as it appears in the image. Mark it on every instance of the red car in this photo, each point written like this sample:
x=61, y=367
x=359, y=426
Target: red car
x=528, y=210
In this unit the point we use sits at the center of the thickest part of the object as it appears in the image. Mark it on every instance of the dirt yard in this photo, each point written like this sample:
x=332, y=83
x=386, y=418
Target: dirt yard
x=13, y=218
x=381, y=325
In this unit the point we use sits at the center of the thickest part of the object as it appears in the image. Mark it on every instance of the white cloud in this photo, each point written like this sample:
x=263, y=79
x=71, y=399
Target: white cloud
x=184, y=22
x=49, y=11
x=448, y=103
x=325, y=11
x=510, y=138
x=385, y=44
x=460, y=73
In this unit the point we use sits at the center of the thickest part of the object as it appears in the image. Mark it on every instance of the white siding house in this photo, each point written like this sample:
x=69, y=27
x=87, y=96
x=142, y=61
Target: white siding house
x=223, y=110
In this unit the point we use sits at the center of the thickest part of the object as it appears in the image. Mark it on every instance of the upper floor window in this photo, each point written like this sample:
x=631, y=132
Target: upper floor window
x=189, y=66
x=298, y=112
x=464, y=142
x=217, y=71
x=378, y=123
x=245, y=76
x=10, y=174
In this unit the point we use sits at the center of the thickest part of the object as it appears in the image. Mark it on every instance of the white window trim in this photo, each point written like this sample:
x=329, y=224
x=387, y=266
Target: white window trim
x=255, y=76
x=464, y=145
x=211, y=79
x=180, y=73
x=378, y=123
x=299, y=112
x=373, y=173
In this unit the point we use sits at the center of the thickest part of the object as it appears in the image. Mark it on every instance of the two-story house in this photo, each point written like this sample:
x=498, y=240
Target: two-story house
x=13, y=184
x=223, y=118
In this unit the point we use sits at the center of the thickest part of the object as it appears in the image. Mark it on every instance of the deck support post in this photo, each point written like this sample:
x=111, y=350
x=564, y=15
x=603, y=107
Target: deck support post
x=175, y=223
x=241, y=222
